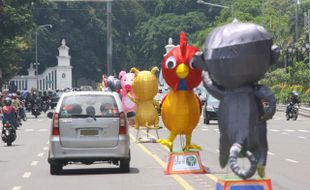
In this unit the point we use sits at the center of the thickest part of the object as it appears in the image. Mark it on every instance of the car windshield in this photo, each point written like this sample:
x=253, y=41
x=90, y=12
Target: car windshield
x=89, y=106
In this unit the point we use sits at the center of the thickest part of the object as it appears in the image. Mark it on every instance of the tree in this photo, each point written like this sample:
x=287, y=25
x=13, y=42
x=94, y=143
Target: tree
x=15, y=24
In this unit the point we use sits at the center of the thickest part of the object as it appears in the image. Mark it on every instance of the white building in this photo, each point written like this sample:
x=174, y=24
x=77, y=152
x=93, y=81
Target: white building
x=58, y=77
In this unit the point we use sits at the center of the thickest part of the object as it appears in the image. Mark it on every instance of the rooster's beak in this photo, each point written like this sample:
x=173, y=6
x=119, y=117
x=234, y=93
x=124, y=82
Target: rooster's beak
x=182, y=71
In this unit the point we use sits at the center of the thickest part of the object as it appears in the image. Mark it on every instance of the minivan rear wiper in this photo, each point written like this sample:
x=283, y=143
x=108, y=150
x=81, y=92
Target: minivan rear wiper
x=84, y=116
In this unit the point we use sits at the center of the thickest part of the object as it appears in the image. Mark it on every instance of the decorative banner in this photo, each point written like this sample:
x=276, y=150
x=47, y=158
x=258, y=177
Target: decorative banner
x=237, y=184
x=184, y=163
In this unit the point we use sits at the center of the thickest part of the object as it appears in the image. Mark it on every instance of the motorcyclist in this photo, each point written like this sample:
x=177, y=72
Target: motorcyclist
x=36, y=100
x=9, y=113
x=17, y=105
x=292, y=101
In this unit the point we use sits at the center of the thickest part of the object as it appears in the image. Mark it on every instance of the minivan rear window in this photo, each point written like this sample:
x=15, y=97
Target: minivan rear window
x=89, y=106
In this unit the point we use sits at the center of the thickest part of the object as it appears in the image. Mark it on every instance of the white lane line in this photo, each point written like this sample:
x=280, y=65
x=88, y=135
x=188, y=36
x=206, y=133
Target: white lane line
x=34, y=163
x=41, y=154
x=204, y=129
x=45, y=148
x=270, y=153
x=289, y=130
x=43, y=129
x=217, y=150
x=274, y=130
x=303, y=131
x=27, y=175
x=290, y=160
x=28, y=130
x=284, y=133
x=17, y=188
x=301, y=137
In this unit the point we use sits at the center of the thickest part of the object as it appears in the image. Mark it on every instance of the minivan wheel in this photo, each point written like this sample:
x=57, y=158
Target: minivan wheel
x=55, y=168
x=124, y=165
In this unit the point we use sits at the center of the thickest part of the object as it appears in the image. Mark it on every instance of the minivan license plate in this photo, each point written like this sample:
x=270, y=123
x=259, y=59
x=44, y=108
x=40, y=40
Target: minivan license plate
x=89, y=132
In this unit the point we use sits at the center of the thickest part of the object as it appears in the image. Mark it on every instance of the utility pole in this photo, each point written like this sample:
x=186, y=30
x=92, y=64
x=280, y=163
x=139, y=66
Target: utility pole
x=296, y=21
x=109, y=38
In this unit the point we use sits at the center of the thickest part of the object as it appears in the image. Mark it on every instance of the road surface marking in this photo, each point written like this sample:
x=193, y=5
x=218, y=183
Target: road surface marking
x=274, y=130
x=204, y=129
x=27, y=175
x=270, y=153
x=303, y=131
x=45, y=148
x=290, y=160
x=284, y=133
x=41, y=154
x=178, y=178
x=28, y=130
x=43, y=129
x=17, y=188
x=289, y=130
x=34, y=163
x=301, y=137
x=210, y=176
x=217, y=150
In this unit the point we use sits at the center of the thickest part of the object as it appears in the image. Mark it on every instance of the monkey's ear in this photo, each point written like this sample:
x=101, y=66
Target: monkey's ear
x=135, y=71
x=154, y=70
x=198, y=61
x=275, y=53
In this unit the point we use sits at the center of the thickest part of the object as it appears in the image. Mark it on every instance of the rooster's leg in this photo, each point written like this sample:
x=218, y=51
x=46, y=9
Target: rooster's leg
x=168, y=142
x=190, y=146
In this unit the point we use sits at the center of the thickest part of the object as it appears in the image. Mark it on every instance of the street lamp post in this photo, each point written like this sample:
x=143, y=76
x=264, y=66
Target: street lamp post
x=218, y=5
x=36, y=63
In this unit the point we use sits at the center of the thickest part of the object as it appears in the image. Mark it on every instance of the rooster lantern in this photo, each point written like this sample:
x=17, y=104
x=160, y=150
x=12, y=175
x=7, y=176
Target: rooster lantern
x=181, y=107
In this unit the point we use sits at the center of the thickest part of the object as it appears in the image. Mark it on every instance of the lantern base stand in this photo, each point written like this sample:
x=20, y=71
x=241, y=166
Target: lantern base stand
x=249, y=184
x=184, y=163
x=149, y=138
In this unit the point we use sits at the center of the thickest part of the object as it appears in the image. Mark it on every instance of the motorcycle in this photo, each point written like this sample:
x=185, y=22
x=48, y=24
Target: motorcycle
x=292, y=112
x=28, y=106
x=8, y=134
x=35, y=110
x=22, y=114
x=45, y=106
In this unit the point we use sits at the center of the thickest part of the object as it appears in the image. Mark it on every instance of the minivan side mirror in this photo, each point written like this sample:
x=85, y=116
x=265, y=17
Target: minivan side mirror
x=50, y=115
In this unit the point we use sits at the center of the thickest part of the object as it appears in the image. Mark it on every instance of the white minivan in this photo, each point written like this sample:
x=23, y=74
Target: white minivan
x=89, y=126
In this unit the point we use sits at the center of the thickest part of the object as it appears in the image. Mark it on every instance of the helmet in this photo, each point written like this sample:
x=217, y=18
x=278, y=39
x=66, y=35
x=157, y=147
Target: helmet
x=294, y=93
x=7, y=101
x=13, y=96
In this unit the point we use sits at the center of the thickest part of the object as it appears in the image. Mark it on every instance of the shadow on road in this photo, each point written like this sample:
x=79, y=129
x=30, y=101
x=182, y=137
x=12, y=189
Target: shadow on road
x=97, y=171
x=13, y=145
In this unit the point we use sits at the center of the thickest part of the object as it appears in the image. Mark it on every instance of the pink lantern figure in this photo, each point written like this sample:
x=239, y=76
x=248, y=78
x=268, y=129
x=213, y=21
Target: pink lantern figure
x=126, y=83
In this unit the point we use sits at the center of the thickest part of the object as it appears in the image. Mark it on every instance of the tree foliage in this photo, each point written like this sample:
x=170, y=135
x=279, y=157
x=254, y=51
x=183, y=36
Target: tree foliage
x=140, y=31
x=15, y=23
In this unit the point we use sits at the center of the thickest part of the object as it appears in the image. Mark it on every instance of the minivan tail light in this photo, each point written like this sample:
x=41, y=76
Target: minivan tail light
x=55, y=129
x=122, y=124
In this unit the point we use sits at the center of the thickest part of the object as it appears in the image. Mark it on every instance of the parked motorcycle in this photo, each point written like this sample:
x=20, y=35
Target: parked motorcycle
x=35, y=110
x=8, y=134
x=292, y=112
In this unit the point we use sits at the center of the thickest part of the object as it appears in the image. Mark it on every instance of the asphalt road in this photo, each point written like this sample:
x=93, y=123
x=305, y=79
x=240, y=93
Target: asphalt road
x=24, y=166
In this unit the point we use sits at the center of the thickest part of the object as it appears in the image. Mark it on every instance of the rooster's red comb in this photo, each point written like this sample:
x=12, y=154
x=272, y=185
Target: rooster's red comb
x=183, y=43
